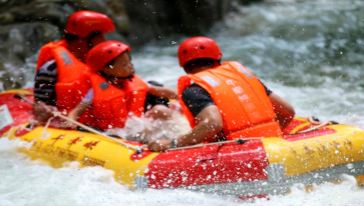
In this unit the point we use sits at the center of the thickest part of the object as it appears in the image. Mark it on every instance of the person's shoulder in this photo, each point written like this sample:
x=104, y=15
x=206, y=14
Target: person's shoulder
x=195, y=92
x=48, y=66
x=267, y=90
x=54, y=44
x=241, y=68
x=194, y=88
x=196, y=98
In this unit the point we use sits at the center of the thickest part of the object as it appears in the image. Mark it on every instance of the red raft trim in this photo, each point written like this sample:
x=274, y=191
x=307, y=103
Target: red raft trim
x=209, y=165
x=20, y=111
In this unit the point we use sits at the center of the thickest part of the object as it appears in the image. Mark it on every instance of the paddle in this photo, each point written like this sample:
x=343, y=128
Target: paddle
x=138, y=149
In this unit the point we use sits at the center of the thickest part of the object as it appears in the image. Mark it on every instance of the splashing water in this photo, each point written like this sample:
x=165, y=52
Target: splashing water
x=309, y=52
x=28, y=182
x=143, y=129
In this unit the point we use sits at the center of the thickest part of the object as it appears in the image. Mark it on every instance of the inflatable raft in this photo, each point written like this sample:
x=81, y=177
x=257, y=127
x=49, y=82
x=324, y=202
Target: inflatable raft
x=268, y=165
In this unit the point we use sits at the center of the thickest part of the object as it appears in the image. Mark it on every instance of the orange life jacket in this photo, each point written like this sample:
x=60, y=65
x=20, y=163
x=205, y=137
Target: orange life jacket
x=72, y=82
x=112, y=105
x=240, y=97
x=46, y=52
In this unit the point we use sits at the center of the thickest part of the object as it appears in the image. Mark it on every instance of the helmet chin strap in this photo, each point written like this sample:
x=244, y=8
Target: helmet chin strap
x=130, y=77
x=116, y=79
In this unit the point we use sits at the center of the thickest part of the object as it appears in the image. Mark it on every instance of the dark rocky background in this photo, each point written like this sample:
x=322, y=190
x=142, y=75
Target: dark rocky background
x=27, y=24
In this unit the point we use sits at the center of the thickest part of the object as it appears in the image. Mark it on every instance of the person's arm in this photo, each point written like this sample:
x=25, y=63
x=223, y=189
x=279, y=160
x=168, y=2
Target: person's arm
x=42, y=112
x=162, y=92
x=75, y=113
x=284, y=111
x=44, y=83
x=78, y=110
x=209, y=124
x=86, y=102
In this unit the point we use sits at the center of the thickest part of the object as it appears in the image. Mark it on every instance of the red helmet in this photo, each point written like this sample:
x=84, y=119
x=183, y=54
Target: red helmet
x=197, y=48
x=83, y=23
x=103, y=53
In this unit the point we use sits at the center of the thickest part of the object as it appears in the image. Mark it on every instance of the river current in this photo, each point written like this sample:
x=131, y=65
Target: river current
x=309, y=52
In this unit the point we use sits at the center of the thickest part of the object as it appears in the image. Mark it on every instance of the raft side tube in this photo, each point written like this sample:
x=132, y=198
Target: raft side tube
x=344, y=146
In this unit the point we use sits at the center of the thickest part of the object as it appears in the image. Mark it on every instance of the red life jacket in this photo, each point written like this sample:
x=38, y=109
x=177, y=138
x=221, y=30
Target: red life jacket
x=240, y=97
x=112, y=105
x=72, y=82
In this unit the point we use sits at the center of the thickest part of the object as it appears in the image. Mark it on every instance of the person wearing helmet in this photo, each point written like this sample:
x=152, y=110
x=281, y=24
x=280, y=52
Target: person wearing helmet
x=116, y=92
x=60, y=72
x=223, y=100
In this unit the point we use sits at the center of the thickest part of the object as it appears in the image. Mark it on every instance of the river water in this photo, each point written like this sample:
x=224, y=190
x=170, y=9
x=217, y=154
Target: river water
x=309, y=52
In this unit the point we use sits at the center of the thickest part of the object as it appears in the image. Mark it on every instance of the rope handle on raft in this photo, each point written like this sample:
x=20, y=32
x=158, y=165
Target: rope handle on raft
x=138, y=149
x=242, y=140
x=238, y=141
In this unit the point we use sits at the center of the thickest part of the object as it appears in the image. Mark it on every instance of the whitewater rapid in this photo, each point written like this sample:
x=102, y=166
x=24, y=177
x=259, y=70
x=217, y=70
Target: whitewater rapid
x=29, y=182
x=309, y=52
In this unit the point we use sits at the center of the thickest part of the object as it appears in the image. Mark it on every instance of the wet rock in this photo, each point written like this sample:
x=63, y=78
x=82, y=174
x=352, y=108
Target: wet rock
x=10, y=81
x=17, y=43
x=28, y=24
x=157, y=19
x=245, y=2
x=35, y=11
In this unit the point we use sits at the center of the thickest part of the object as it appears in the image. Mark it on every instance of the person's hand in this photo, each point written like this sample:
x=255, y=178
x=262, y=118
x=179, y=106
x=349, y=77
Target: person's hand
x=50, y=109
x=43, y=112
x=62, y=124
x=174, y=105
x=159, y=112
x=160, y=145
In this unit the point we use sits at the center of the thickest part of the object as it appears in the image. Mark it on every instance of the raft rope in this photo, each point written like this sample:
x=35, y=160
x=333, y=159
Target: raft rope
x=238, y=141
x=315, y=127
x=45, y=134
x=317, y=123
x=138, y=149
x=312, y=120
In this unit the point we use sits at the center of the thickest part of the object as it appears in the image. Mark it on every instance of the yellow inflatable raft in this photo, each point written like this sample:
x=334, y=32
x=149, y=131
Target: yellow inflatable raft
x=306, y=154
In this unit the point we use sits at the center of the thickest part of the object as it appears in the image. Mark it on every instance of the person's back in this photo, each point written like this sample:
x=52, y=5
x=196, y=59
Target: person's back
x=60, y=79
x=241, y=98
x=60, y=74
x=223, y=100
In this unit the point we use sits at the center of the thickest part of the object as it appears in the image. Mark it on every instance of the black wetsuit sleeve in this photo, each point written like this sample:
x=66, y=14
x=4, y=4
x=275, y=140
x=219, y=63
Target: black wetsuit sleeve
x=196, y=98
x=45, y=82
x=152, y=100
